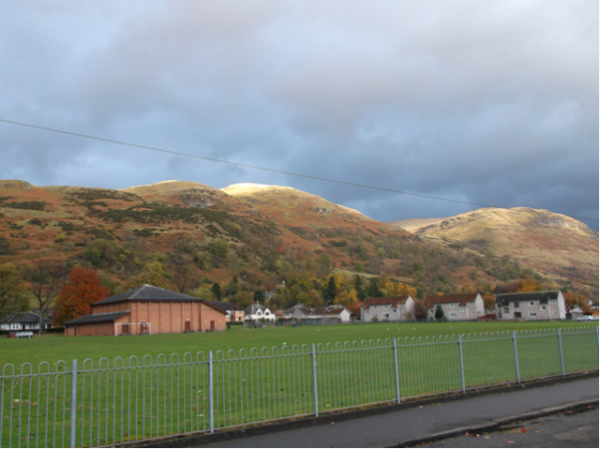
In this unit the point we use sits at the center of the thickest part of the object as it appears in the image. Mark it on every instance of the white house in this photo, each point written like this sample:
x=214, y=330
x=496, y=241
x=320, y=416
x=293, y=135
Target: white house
x=258, y=312
x=23, y=321
x=325, y=315
x=463, y=307
x=393, y=308
x=531, y=306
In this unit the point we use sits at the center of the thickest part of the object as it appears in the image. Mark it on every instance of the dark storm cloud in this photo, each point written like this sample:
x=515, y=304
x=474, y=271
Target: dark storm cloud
x=492, y=102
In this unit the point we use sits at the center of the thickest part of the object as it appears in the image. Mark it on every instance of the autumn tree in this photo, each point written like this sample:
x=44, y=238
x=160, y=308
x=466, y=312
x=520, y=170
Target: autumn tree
x=83, y=288
x=182, y=274
x=420, y=310
x=45, y=281
x=152, y=275
x=576, y=300
x=13, y=298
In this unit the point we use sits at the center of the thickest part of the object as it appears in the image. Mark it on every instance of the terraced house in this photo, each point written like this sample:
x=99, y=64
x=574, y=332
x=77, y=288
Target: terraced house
x=530, y=306
x=463, y=307
x=393, y=308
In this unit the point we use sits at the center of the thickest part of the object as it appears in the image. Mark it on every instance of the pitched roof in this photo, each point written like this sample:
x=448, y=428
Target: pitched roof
x=24, y=318
x=313, y=311
x=225, y=305
x=391, y=300
x=542, y=297
x=152, y=293
x=463, y=299
x=98, y=317
x=255, y=308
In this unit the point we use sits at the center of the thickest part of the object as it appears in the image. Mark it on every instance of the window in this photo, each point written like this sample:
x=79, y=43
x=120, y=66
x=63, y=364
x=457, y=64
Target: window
x=462, y=309
x=506, y=310
x=430, y=311
x=544, y=308
x=394, y=310
x=517, y=314
x=499, y=315
x=516, y=305
x=533, y=314
x=531, y=303
x=387, y=315
x=452, y=306
x=553, y=301
x=555, y=312
x=452, y=314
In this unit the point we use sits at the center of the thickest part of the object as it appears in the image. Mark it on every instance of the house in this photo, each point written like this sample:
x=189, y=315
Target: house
x=549, y=305
x=148, y=310
x=393, y=308
x=23, y=321
x=234, y=313
x=462, y=307
x=318, y=315
x=258, y=312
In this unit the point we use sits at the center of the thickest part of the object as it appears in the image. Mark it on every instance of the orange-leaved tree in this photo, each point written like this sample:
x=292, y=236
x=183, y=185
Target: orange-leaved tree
x=83, y=288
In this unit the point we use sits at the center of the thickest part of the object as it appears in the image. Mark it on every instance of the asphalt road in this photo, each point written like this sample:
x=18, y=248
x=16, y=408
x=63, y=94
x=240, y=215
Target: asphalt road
x=562, y=430
x=397, y=427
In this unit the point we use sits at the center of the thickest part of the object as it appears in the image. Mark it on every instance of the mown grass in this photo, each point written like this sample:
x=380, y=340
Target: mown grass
x=122, y=398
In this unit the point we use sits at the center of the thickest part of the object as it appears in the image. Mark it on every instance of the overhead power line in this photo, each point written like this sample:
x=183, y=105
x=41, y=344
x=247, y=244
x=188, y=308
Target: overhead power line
x=254, y=167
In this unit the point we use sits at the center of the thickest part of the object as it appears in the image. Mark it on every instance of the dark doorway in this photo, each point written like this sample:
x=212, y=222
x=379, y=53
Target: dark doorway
x=125, y=329
x=187, y=327
x=212, y=326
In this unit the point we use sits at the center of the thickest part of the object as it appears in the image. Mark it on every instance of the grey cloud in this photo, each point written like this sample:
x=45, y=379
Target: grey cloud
x=493, y=102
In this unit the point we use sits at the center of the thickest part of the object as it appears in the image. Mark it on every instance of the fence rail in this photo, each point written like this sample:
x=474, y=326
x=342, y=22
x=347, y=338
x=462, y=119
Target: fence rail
x=137, y=399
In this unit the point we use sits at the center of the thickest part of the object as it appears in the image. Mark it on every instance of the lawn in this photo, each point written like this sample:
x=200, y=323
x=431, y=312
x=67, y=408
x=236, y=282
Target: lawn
x=52, y=347
x=140, y=387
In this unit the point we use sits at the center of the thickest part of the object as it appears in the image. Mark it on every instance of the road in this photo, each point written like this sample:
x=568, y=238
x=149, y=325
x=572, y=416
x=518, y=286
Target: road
x=402, y=426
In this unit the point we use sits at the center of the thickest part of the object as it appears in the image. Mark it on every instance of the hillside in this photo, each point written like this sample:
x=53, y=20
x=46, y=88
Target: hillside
x=248, y=237
x=553, y=244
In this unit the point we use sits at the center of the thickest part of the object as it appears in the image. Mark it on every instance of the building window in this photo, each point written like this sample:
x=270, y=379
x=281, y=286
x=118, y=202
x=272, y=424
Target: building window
x=452, y=306
x=499, y=314
x=516, y=305
x=533, y=314
x=506, y=310
x=430, y=311
x=387, y=315
x=394, y=310
x=462, y=309
x=555, y=312
x=531, y=303
x=553, y=301
x=452, y=314
x=544, y=308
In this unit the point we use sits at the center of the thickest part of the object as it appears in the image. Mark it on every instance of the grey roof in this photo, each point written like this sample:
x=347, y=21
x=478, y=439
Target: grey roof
x=149, y=293
x=543, y=297
x=24, y=318
x=255, y=308
x=225, y=305
x=98, y=317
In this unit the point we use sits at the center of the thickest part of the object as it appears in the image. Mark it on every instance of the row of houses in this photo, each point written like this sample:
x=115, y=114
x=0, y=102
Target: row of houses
x=153, y=310
x=549, y=305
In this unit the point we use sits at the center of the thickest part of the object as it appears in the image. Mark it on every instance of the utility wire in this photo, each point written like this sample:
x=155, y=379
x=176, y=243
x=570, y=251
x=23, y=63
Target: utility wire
x=254, y=167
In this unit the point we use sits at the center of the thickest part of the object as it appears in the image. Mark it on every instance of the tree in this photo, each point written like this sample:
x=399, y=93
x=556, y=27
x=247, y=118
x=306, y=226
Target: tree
x=182, y=275
x=12, y=291
x=83, y=288
x=153, y=275
x=420, y=310
x=373, y=289
x=439, y=312
x=216, y=289
x=330, y=291
x=258, y=296
x=46, y=281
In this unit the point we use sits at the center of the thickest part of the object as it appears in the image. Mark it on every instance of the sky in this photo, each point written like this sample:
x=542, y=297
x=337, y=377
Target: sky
x=492, y=102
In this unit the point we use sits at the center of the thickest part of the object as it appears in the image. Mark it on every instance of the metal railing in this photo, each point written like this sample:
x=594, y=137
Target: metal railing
x=138, y=399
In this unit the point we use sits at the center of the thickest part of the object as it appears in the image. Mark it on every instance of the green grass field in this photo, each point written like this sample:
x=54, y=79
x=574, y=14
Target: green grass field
x=122, y=399
x=52, y=347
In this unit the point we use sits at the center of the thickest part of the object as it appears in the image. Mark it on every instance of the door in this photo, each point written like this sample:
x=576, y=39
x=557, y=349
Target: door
x=187, y=327
x=125, y=329
x=212, y=326
x=144, y=328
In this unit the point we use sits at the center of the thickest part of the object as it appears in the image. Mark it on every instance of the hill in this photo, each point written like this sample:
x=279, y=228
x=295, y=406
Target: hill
x=250, y=237
x=553, y=244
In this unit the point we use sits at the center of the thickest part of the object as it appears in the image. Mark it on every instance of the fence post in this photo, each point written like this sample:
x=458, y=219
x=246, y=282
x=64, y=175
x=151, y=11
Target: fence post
x=314, y=370
x=514, y=339
x=396, y=371
x=462, y=364
x=560, y=351
x=73, y=401
x=211, y=413
x=597, y=342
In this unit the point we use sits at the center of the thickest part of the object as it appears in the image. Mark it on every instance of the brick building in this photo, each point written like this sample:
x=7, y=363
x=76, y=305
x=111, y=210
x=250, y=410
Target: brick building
x=148, y=310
